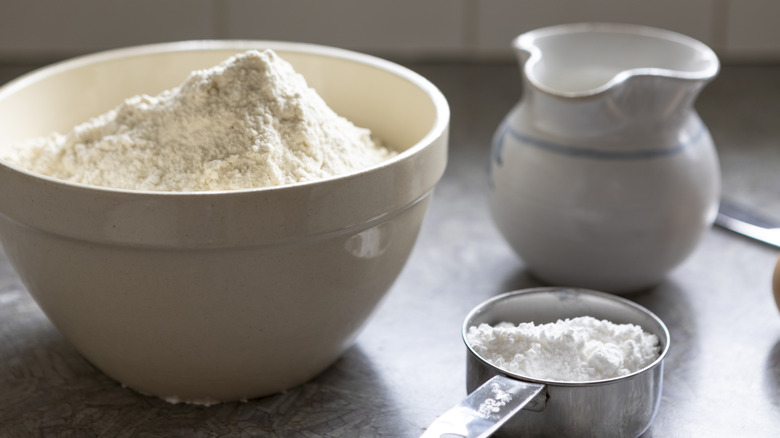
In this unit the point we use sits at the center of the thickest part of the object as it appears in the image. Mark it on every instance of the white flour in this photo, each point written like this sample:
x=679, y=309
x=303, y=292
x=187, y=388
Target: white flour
x=249, y=122
x=577, y=349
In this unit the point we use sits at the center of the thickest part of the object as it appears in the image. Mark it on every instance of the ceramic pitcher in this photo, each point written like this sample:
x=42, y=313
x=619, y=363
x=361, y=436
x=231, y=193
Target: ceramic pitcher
x=604, y=176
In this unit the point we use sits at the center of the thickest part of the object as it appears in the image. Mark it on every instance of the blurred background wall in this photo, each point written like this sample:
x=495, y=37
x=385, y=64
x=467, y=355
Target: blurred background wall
x=34, y=31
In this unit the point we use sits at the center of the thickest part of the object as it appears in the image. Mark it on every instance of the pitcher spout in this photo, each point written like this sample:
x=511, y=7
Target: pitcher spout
x=597, y=77
x=585, y=59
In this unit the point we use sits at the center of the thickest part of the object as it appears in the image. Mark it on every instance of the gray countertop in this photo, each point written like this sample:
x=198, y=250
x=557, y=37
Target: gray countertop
x=722, y=375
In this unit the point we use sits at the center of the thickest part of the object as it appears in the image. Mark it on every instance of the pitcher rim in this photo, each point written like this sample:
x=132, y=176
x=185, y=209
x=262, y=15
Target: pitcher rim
x=525, y=42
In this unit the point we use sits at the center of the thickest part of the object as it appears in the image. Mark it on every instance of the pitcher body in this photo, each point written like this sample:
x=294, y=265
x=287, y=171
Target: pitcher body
x=603, y=175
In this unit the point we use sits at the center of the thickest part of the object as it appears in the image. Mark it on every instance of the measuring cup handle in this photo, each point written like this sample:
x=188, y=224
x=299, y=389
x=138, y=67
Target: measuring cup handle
x=487, y=408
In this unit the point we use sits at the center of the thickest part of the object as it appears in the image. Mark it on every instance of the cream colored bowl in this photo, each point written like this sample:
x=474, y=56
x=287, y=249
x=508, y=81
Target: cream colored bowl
x=217, y=296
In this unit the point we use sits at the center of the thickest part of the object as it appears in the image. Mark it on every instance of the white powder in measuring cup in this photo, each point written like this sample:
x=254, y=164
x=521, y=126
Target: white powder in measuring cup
x=249, y=122
x=574, y=350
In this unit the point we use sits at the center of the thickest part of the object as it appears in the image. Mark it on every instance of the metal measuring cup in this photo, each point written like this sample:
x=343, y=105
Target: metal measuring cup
x=523, y=406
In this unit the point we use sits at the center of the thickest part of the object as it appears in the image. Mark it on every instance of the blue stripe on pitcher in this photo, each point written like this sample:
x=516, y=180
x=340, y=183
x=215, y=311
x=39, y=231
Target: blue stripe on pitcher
x=595, y=154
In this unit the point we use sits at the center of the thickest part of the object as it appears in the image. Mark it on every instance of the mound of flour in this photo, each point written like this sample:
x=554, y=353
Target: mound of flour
x=251, y=121
x=577, y=349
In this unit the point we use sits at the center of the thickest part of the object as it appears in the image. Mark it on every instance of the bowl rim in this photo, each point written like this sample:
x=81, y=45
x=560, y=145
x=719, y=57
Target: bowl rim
x=206, y=220
x=437, y=98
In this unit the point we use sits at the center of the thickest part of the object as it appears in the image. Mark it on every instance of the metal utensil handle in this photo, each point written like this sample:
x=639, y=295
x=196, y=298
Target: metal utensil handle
x=487, y=408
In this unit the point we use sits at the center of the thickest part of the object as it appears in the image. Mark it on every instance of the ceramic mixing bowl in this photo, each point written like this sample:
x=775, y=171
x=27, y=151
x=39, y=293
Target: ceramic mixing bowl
x=216, y=296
